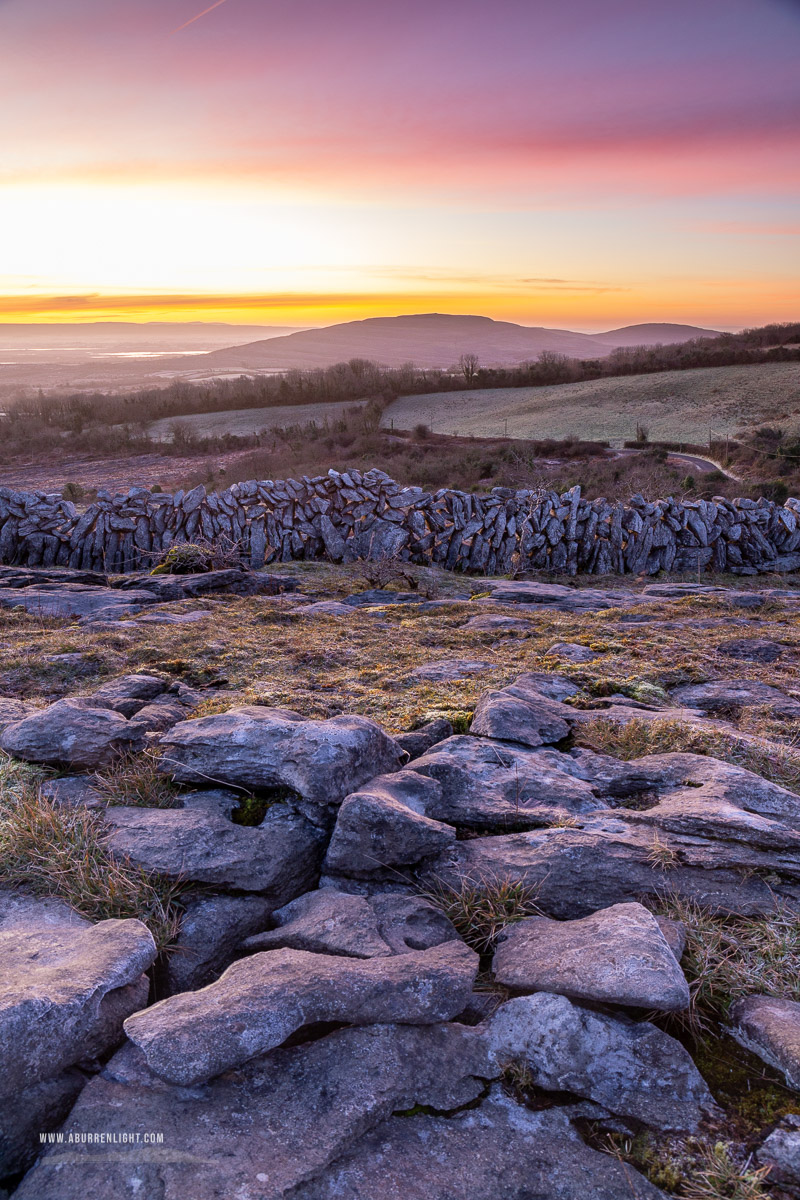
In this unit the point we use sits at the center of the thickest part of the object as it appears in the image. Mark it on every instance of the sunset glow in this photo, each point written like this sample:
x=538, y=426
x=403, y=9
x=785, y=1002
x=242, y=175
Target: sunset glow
x=308, y=163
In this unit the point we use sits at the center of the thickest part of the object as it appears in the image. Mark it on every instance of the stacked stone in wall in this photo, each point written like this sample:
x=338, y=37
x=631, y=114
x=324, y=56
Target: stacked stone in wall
x=349, y=515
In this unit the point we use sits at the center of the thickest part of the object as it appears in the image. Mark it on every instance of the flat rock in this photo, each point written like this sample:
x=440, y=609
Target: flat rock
x=163, y=618
x=770, y=1028
x=559, y=597
x=573, y=872
x=520, y=713
x=64, y=993
x=76, y=600
x=212, y=928
x=631, y=1068
x=751, y=649
x=384, y=826
x=487, y=784
x=260, y=1001
x=572, y=652
x=380, y=596
x=71, y=733
x=327, y=608
x=497, y=1151
x=449, y=669
x=493, y=623
x=279, y=858
x=19, y=910
x=269, y=748
x=618, y=955
x=73, y=791
x=263, y=1129
x=722, y=695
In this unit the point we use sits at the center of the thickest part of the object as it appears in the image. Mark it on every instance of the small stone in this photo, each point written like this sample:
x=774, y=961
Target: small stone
x=781, y=1152
x=572, y=652
x=770, y=1028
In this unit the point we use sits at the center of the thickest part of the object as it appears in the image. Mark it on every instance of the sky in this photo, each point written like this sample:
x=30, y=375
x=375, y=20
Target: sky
x=584, y=165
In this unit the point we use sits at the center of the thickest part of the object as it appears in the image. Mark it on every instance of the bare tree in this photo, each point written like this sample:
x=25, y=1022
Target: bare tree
x=468, y=365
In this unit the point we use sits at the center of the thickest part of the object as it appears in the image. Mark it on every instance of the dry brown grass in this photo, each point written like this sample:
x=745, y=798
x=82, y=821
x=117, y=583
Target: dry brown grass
x=637, y=738
x=61, y=852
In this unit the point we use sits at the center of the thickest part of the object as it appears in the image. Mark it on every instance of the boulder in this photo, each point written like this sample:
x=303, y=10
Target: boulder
x=260, y=1001
x=272, y=748
x=495, y=1151
x=631, y=1068
x=384, y=826
x=64, y=993
x=518, y=713
x=492, y=785
x=333, y=922
x=263, y=1129
x=615, y=956
x=71, y=733
x=770, y=1028
x=279, y=858
x=212, y=927
x=129, y=693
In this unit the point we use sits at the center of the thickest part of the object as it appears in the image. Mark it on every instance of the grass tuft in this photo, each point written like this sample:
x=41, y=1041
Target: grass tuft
x=728, y=957
x=480, y=909
x=61, y=852
x=720, y=1175
x=135, y=780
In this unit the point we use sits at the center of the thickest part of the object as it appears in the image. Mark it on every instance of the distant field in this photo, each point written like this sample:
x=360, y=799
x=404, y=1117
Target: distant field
x=672, y=405
x=249, y=420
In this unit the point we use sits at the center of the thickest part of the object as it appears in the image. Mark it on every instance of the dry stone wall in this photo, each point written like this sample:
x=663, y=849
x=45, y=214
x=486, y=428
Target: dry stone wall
x=350, y=515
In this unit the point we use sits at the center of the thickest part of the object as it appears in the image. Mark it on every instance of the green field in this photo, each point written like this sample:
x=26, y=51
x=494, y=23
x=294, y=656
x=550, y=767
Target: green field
x=244, y=421
x=671, y=405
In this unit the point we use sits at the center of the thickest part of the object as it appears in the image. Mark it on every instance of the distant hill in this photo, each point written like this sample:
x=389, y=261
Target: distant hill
x=435, y=340
x=653, y=334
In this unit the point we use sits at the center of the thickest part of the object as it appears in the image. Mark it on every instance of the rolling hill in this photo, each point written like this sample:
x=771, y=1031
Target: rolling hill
x=653, y=334
x=435, y=340
x=672, y=405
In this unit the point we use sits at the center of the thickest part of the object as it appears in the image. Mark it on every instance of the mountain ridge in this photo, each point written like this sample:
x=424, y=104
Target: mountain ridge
x=436, y=340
